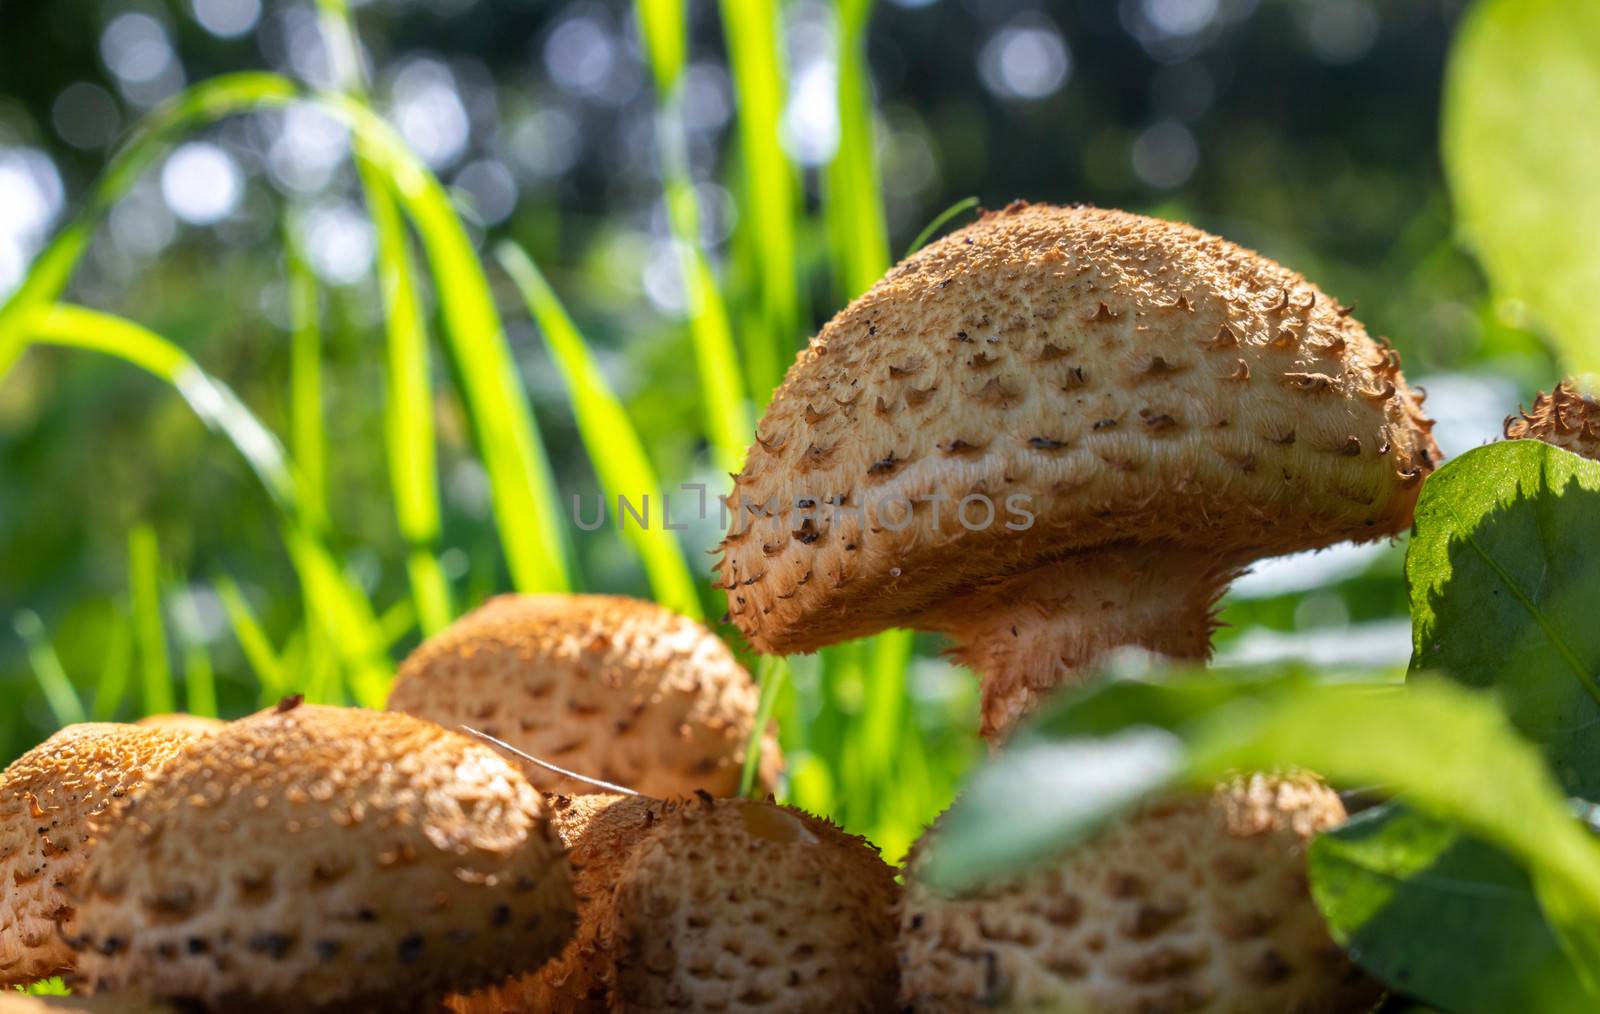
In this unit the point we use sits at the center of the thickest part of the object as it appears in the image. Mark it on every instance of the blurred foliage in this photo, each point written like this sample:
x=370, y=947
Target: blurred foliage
x=700, y=195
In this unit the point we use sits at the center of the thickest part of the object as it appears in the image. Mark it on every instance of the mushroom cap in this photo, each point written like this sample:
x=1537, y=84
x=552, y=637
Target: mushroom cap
x=317, y=857
x=599, y=830
x=610, y=687
x=198, y=724
x=1194, y=902
x=48, y=798
x=1565, y=417
x=740, y=904
x=1133, y=380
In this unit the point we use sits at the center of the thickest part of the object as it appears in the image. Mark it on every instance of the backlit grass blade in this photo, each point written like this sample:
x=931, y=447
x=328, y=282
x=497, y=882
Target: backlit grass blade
x=149, y=633
x=722, y=396
x=252, y=638
x=47, y=671
x=199, y=679
x=770, y=677
x=932, y=228
x=615, y=449
x=408, y=409
x=114, y=669
x=307, y=434
x=345, y=617
x=522, y=489
x=767, y=214
x=883, y=709
x=852, y=199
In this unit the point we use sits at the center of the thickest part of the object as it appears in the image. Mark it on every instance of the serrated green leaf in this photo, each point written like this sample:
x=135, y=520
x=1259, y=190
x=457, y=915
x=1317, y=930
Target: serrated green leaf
x=1521, y=146
x=1503, y=571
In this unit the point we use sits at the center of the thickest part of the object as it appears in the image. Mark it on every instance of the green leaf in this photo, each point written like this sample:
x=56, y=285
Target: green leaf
x=664, y=26
x=1438, y=914
x=615, y=449
x=1446, y=751
x=1502, y=571
x=1521, y=143
x=858, y=233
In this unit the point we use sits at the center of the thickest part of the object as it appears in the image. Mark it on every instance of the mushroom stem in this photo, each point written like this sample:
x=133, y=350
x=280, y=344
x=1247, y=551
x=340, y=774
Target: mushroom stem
x=1043, y=628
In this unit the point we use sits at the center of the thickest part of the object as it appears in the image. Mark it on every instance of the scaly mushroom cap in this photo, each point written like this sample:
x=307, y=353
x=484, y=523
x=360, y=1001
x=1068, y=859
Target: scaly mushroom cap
x=739, y=904
x=48, y=797
x=316, y=857
x=198, y=724
x=1197, y=902
x=1565, y=417
x=599, y=830
x=1040, y=388
x=610, y=687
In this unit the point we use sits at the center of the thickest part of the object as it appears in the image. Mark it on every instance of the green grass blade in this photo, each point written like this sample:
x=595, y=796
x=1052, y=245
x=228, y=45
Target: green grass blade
x=770, y=677
x=755, y=57
x=144, y=591
x=523, y=491
x=408, y=414
x=883, y=710
x=203, y=104
x=307, y=435
x=727, y=421
x=852, y=198
x=615, y=449
x=199, y=678
x=343, y=615
x=939, y=220
x=113, y=685
x=252, y=638
x=47, y=671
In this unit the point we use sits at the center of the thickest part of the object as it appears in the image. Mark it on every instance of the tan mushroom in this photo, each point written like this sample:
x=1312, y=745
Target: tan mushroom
x=1058, y=431
x=599, y=830
x=324, y=858
x=198, y=724
x=609, y=687
x=736, y=904
x=1195, y=902
x=1565, y=417
x=48, y=798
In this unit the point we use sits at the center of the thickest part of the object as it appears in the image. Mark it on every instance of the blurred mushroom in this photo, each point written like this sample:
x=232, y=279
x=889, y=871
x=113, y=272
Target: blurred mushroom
x=324, y=858
x=598, y=830
x=1565, y=417
x=21, y=1003
x=1058, y=431
x=49, y=798
x=1195, y=902
x=197, y=724
x=609, y=687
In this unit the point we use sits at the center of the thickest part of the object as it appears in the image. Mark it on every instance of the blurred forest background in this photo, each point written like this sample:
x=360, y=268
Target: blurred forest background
x=135, y=545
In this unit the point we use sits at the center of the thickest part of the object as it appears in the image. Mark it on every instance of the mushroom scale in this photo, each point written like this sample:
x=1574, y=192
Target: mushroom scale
x=312, y=858
x=1195, y=902
x=49, y=799
x=1565, y=417
x=1040, y=410
x=609, y=687
x=743, y=905
x=599, y=830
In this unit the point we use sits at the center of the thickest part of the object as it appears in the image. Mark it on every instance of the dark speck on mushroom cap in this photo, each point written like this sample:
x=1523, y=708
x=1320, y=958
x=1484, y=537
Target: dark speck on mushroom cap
x=1139, y=381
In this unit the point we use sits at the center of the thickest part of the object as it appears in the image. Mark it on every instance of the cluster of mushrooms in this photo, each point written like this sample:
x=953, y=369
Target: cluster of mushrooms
x=1169, y=405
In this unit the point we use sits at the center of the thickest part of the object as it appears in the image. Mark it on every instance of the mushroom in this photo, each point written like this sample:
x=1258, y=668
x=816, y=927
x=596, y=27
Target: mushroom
x=1565, y=417
x=22, y=1003
x=598, y=830
x=712, y=904
x=1194, y=902
x=198, y=724
x=48, y=798
x=1058, y=431
x=614, y=688
x=314, y=858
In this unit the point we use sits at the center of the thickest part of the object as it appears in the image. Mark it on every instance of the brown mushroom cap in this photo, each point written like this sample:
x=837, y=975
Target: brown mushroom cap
x=1565, y=417
x=739, y=904
x=610, y=687
x=198, y=724
x=599, y=830
x=48, y=798
x=1132, y=396
x=1197, y=902
x=317, y=857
